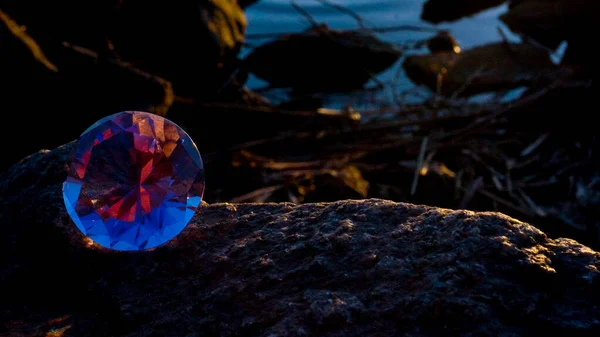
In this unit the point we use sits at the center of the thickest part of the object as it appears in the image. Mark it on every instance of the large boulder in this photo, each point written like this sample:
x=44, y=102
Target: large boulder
x=347, y=268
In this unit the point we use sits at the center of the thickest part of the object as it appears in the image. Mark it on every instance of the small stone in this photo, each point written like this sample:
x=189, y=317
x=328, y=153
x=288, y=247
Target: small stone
x=135, y=180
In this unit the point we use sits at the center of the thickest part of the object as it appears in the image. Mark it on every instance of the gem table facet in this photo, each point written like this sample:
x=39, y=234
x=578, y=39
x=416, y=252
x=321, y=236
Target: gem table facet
x=135, y=180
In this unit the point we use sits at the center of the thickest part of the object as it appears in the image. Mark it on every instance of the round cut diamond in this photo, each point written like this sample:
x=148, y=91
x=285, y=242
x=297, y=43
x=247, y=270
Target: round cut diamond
x=135, y=180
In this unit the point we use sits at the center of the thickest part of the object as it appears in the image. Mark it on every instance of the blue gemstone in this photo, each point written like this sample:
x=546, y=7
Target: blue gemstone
x=134, y=182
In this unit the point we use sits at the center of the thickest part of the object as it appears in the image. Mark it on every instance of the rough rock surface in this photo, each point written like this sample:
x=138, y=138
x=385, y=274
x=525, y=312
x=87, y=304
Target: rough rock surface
x=348, y=268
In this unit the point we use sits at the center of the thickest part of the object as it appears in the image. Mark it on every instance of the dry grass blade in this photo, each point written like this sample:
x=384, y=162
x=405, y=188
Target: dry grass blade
x=529, y=149
x=497, y=183
x=260, y=195
x=470, y=192
x=532, y=204
x=504, y=202
x=249, y=159
x=422, y=151
x=252, y=160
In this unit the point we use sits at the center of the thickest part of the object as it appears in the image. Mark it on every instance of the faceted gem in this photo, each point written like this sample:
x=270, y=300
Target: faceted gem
x=135, y=180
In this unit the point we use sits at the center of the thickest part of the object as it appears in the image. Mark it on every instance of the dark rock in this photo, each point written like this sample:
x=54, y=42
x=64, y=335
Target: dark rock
x=53, y=91
x=486, y=68
x=246, y=3
x=552, y=21
x=443, y=42
x=345, y=183
x=83, y=23
x=348, y=268
x=322, y=59
x=436, y=11
x=193, y=44
x=52, y=99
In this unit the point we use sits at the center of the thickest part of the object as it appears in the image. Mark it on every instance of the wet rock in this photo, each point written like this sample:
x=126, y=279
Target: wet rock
x=486, y=68
x=322, y=59
x=552, y=21
x=443, y=42
x=436, y=11
x=348, y=268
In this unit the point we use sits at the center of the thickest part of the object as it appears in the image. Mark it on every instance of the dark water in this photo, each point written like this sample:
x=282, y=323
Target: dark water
x=273, y=16
x=270, y=16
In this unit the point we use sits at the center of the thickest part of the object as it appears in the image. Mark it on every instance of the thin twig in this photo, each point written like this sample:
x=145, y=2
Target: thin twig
x=261, y=194
x=504, y=202
x=534, y=145
x=470, y=192
x=391, y=29
x=304, y=13
x=532, y=204
x=358, y=18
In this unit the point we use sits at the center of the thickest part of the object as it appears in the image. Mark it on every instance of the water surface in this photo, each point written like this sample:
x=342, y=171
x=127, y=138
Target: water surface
x=279, y=16
x=271, y=16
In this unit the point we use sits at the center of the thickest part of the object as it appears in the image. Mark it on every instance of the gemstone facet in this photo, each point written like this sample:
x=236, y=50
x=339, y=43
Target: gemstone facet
x=134, y=182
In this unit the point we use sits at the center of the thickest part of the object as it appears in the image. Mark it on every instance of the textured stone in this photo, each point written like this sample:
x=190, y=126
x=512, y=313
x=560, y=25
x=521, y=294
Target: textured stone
x=135, y=180
x=348, y=268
